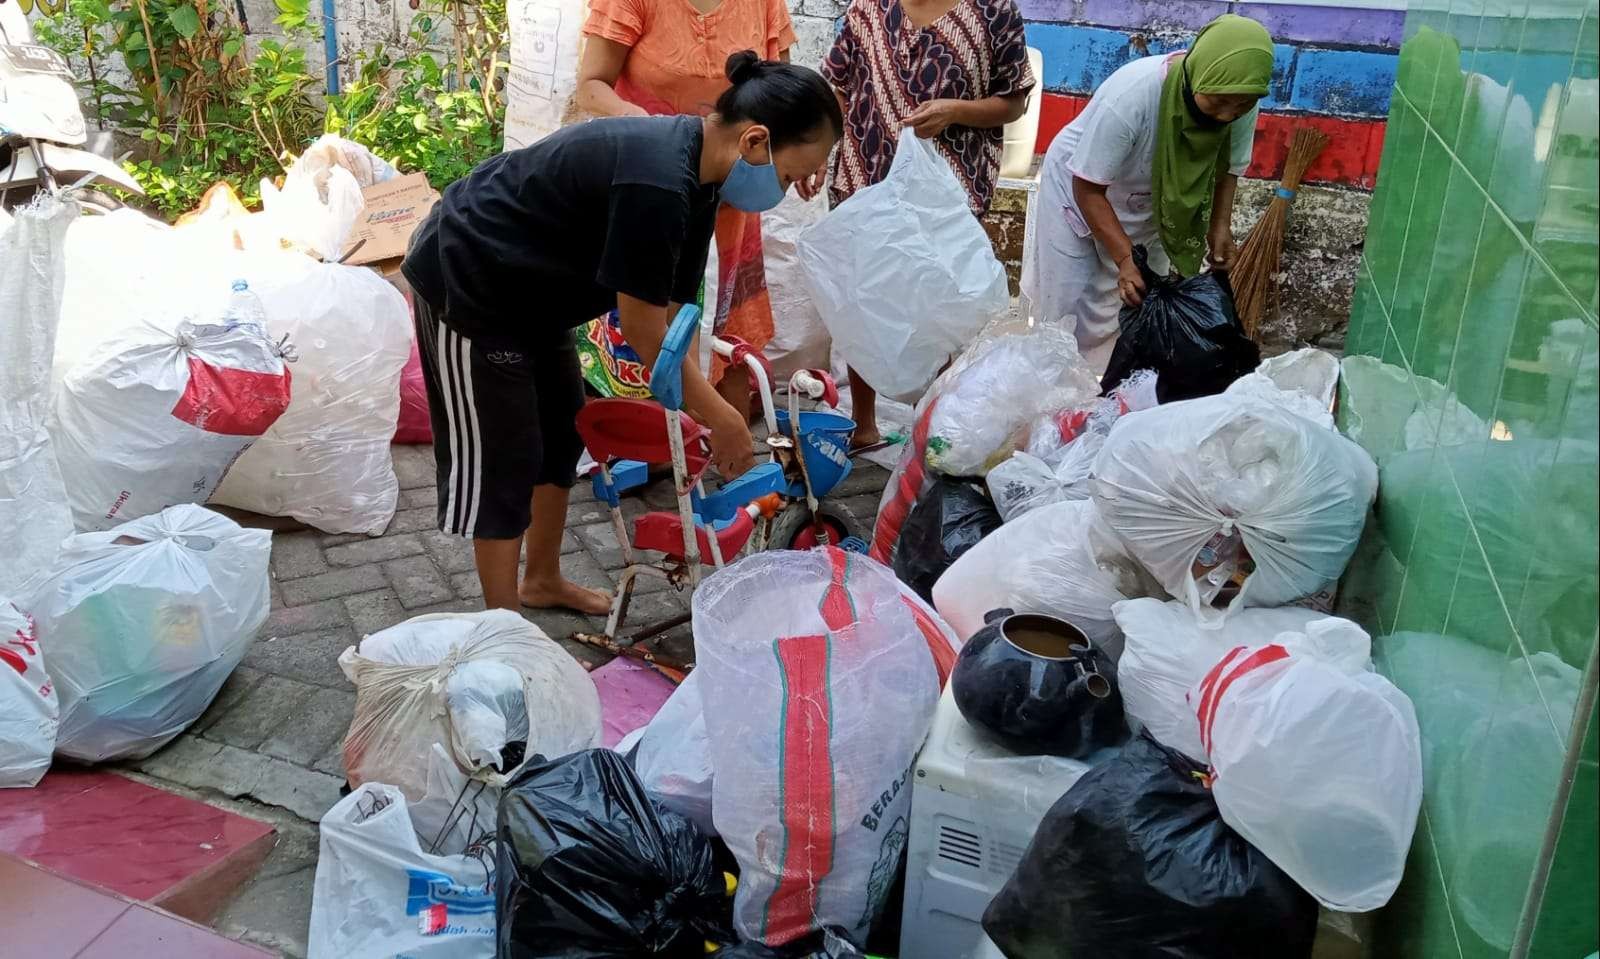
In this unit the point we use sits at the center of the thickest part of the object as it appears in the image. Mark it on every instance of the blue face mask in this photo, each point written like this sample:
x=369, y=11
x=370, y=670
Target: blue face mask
x=751, y=188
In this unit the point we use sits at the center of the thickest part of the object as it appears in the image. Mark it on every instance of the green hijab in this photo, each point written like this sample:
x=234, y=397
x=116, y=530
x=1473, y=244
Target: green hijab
x=1232, y=54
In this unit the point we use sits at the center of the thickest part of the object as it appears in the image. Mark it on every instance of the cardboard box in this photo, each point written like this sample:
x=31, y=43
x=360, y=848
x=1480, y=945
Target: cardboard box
x=393, y=211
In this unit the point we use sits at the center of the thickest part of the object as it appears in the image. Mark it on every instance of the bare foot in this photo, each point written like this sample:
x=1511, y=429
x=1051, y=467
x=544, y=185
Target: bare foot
x=564, y=594
x=863, y=438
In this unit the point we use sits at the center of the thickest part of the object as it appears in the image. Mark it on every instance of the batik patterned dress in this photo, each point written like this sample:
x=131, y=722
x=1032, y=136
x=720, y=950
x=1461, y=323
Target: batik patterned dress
x=885, y=67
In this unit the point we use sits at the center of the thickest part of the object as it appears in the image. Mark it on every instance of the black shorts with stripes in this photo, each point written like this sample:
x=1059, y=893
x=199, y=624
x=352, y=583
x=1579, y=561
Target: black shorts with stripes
x=504, y=421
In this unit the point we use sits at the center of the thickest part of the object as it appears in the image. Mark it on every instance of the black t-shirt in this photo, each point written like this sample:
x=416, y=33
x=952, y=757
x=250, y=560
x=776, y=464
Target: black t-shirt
x=540, y=240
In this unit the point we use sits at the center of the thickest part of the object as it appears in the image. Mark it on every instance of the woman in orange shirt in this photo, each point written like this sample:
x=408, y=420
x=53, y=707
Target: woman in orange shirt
x=646, y=57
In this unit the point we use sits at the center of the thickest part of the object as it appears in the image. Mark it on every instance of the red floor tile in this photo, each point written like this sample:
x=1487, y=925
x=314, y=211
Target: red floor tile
x=48, y=917
x=142, y=931
x=141, y=842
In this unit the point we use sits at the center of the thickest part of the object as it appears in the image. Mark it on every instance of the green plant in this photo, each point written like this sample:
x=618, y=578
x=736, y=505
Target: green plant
x=442, y=118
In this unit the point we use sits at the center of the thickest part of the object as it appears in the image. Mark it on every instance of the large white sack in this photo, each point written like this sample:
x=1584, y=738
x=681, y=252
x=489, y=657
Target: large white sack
x=1060, y=561
x=1316, y=761
x=143, y=624
x=326, y=461
x=34, y=517
x=377, y=895
x=1184, y=476
x=439, y=679
x=28, y=707
x=155, y=417
x=799, y=339
x=903, y=274
x=1165, y=652
x=818, y=688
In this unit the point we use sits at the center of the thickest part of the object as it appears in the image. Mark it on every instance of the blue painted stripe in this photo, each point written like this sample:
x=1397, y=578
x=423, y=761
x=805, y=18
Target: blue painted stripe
x=1344, y=82
x=1077, y=59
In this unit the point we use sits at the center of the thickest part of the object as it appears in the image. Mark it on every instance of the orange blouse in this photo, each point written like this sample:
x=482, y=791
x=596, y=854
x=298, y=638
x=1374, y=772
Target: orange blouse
x=677, y=54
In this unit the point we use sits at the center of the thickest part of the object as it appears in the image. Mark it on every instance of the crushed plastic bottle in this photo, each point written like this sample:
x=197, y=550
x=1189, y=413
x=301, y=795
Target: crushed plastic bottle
x=245, y=307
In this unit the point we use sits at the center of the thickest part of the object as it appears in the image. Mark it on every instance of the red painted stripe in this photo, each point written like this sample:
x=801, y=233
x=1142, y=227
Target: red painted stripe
x=886, y=532
x=806, y=791
x=1217, y=684
x=1351, y=158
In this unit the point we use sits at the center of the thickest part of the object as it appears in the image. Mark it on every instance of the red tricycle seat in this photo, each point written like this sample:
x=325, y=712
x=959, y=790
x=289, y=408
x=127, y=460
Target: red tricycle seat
x=663, y=532
x=629, y=429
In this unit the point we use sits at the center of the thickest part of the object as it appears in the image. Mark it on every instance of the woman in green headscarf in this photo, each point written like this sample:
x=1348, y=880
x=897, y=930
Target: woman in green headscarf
x=1153, y=160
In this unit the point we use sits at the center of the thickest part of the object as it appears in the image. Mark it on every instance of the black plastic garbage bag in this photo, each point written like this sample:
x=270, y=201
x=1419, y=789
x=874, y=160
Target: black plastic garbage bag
x=1136, y=862
x=1187, y=331
x=588, y=867
x=946, y=521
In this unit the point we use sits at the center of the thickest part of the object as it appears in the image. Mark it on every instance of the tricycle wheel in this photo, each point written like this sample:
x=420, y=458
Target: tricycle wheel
x=812, y=534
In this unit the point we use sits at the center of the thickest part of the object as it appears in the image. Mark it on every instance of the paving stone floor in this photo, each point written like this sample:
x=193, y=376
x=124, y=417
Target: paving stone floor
x=272, y=739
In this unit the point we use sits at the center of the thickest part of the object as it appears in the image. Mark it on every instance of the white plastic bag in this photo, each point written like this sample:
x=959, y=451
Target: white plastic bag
x=903, y=274
x=1302, y=381
x=34, y=517
x=818, y=688
x=28, y=708
x=1165, y=652
x=1059, y=561
x=1005, y=380
x=319, y=203
x=155, y=418
x=672, y=755
x=799, y=340
x=377, y=895
x=441, y=678
x=143, y=624
x=1316, y=760
x=326, y=461
x=1213, y=473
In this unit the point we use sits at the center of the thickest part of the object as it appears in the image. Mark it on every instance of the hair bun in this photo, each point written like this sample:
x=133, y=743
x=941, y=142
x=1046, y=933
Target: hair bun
x=742, y=66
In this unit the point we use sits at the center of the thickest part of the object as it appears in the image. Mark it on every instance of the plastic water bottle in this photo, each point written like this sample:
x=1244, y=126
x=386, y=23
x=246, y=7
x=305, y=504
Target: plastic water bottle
x=245, y=307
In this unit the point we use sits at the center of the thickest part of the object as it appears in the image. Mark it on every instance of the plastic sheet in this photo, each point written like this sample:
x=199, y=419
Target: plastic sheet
x=34, y=517
x=1185, y=484
x=949, y=519
x=1136, y=861
x=326, y=461
x=154, y=418
x=903, y=275
x=812, y=802
x=1187, y=331
x=1060, y=562
x=1165, y=652
x=28, y=709
x=672, y=755
x=1316, y=761
x=143, y=624
x=378, y=895
x=447, y=678
x=589, y=868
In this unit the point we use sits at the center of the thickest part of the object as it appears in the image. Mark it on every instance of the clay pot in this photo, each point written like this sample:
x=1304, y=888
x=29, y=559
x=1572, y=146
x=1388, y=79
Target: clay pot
x=1039, y=686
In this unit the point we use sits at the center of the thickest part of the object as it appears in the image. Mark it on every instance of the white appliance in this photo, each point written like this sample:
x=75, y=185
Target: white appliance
x=974, y=809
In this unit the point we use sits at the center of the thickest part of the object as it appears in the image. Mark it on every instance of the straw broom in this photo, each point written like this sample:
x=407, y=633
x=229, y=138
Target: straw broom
x=1252, y=275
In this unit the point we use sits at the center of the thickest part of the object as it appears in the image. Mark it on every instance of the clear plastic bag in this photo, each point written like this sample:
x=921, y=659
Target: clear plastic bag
x=34, y=517
x=1060, y=562
x=1186, y=480
x=321, y=198
x=326, y=461
x=1303, y=381
x=818, y=688
x=1316, y=760
x=1165, y=652
x=1003, y=382
x=29, y=713
x=155, y=418
x=144, y=623
x=672, y=755
x=420, y=683
x=377, y=894
x=903, y=274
